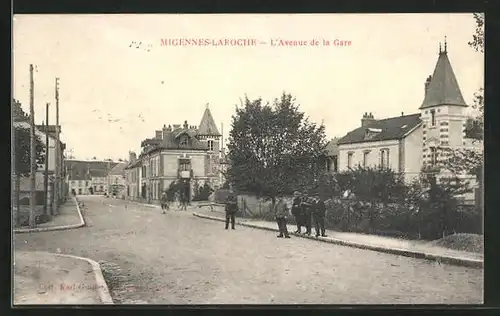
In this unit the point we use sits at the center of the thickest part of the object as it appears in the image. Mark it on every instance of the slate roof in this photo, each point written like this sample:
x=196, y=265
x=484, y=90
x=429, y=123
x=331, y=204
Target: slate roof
x=207, y=125
x=84, y=170
x=118, y=169
x=391, y=129
x=170, y=140
x=96, y=173
x=443, y=87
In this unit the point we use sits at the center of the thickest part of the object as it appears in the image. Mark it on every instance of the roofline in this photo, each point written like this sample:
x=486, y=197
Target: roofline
x=441, y=104
x=370, y=141
x=411, y=130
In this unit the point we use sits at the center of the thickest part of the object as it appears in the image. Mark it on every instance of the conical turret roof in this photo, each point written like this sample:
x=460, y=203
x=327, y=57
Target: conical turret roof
x=443, y=88
x=207, y=125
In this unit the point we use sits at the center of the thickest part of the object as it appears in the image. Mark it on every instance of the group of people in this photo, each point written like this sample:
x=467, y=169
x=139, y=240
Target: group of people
x=165, y=201
x=305, y=208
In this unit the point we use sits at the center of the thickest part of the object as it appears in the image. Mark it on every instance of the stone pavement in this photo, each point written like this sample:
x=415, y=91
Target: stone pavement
x=69, y=217
x=44, y=278
x=397, y=246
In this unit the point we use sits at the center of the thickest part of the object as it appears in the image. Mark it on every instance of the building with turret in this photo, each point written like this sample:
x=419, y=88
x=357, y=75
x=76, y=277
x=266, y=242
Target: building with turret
x=407, y=143
x=180, y=152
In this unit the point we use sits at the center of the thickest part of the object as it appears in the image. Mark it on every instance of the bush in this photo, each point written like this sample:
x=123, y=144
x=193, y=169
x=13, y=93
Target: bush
x=203, y=193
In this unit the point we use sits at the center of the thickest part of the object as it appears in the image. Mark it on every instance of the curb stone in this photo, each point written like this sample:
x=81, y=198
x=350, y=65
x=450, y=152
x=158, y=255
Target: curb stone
x=102, y=287
x=471, y=263
x=55, y=228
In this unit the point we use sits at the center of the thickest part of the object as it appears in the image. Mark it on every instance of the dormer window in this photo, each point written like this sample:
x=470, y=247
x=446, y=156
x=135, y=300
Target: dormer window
x=184, y=141
x=371, y=132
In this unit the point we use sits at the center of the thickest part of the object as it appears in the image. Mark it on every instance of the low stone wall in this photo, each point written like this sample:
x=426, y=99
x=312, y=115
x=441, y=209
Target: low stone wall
x=24, y=215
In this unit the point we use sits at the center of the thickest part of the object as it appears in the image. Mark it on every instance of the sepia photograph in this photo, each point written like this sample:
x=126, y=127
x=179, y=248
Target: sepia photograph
x=189, y=159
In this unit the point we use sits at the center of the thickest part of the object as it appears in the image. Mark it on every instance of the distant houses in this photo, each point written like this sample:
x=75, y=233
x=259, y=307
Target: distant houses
x=88, y=177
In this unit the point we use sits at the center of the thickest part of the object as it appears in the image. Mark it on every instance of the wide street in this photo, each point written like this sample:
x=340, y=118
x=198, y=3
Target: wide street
x=176, y=258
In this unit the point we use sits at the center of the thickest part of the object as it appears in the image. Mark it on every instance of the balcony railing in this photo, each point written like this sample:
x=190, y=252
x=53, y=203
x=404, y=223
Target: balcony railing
x=185, y=174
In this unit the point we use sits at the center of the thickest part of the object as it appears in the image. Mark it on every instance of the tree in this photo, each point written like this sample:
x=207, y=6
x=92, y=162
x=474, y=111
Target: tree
x=433, y=202
x=23, y=151
x=274, y=149
x=477, y=42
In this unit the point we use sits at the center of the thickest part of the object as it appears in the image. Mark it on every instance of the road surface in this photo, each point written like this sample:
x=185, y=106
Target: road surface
x=176, y=258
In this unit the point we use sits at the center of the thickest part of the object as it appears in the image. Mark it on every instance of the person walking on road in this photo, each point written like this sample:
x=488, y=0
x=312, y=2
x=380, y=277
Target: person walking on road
x=297, y=211
x=318, y=213
x=164, y=202
x=307, y=204
x=231, y=208
x=281, y=214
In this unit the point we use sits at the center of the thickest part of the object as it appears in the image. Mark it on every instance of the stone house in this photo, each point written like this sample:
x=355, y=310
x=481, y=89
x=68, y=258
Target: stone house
x=186, y=153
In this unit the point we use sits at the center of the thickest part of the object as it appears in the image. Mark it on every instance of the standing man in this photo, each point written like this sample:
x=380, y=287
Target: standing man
x=281, y=213
x=307, y=204
x=297, y=211
x=164, y=202
x=231, y=208
x=318, y=212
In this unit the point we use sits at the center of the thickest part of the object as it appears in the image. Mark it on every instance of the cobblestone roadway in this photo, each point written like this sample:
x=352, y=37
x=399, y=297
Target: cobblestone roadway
x=177, y=259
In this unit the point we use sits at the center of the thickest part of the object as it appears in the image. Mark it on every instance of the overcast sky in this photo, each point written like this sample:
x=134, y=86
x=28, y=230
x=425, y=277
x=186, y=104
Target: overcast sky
x=383, y=71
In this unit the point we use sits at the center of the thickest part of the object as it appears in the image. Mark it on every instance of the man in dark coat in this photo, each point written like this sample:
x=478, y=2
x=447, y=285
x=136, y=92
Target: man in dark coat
x=307, y=204
x=281, y=214
x=318, y=213
x=231, y=208
x=297, y=211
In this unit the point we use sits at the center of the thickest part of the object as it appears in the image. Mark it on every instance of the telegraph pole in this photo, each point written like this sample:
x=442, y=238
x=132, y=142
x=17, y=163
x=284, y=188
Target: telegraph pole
x=57, y=155
x=32, y=152
x=46, y=175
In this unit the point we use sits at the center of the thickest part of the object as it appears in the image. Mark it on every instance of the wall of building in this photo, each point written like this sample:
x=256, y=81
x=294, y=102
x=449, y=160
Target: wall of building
x=373, y=159
x=412, y=154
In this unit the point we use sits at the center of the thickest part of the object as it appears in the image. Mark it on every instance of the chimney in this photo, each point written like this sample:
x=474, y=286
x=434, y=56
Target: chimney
x=165, y=131
x=186, y=125
x=367, y=119
x=427, y=82
x=158, y=134
x=132, y=157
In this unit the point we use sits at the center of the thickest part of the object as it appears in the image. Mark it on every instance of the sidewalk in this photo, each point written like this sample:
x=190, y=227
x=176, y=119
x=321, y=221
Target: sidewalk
x=69, y=217
x=408, y=248
x=45, y=278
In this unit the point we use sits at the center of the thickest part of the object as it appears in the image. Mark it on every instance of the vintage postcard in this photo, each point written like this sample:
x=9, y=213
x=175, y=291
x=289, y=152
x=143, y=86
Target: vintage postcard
x=247, y=159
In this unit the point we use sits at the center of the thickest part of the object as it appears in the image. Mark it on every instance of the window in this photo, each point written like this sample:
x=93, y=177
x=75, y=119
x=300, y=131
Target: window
x=101, y=187
x=210, y=145
x=433, y=118
x=184, y=165
x=433, y=155
x=335, y=164
x=349, y=159
x=384, y=158
x=365, y=158
x=86, y=183
x=184, y=141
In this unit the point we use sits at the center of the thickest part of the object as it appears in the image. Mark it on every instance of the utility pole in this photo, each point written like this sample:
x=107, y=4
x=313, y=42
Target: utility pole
x=46, y=175
x=32, y=151
x=56, y=189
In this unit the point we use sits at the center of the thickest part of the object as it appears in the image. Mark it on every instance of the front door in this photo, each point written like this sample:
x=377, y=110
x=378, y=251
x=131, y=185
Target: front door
x=187, y=189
